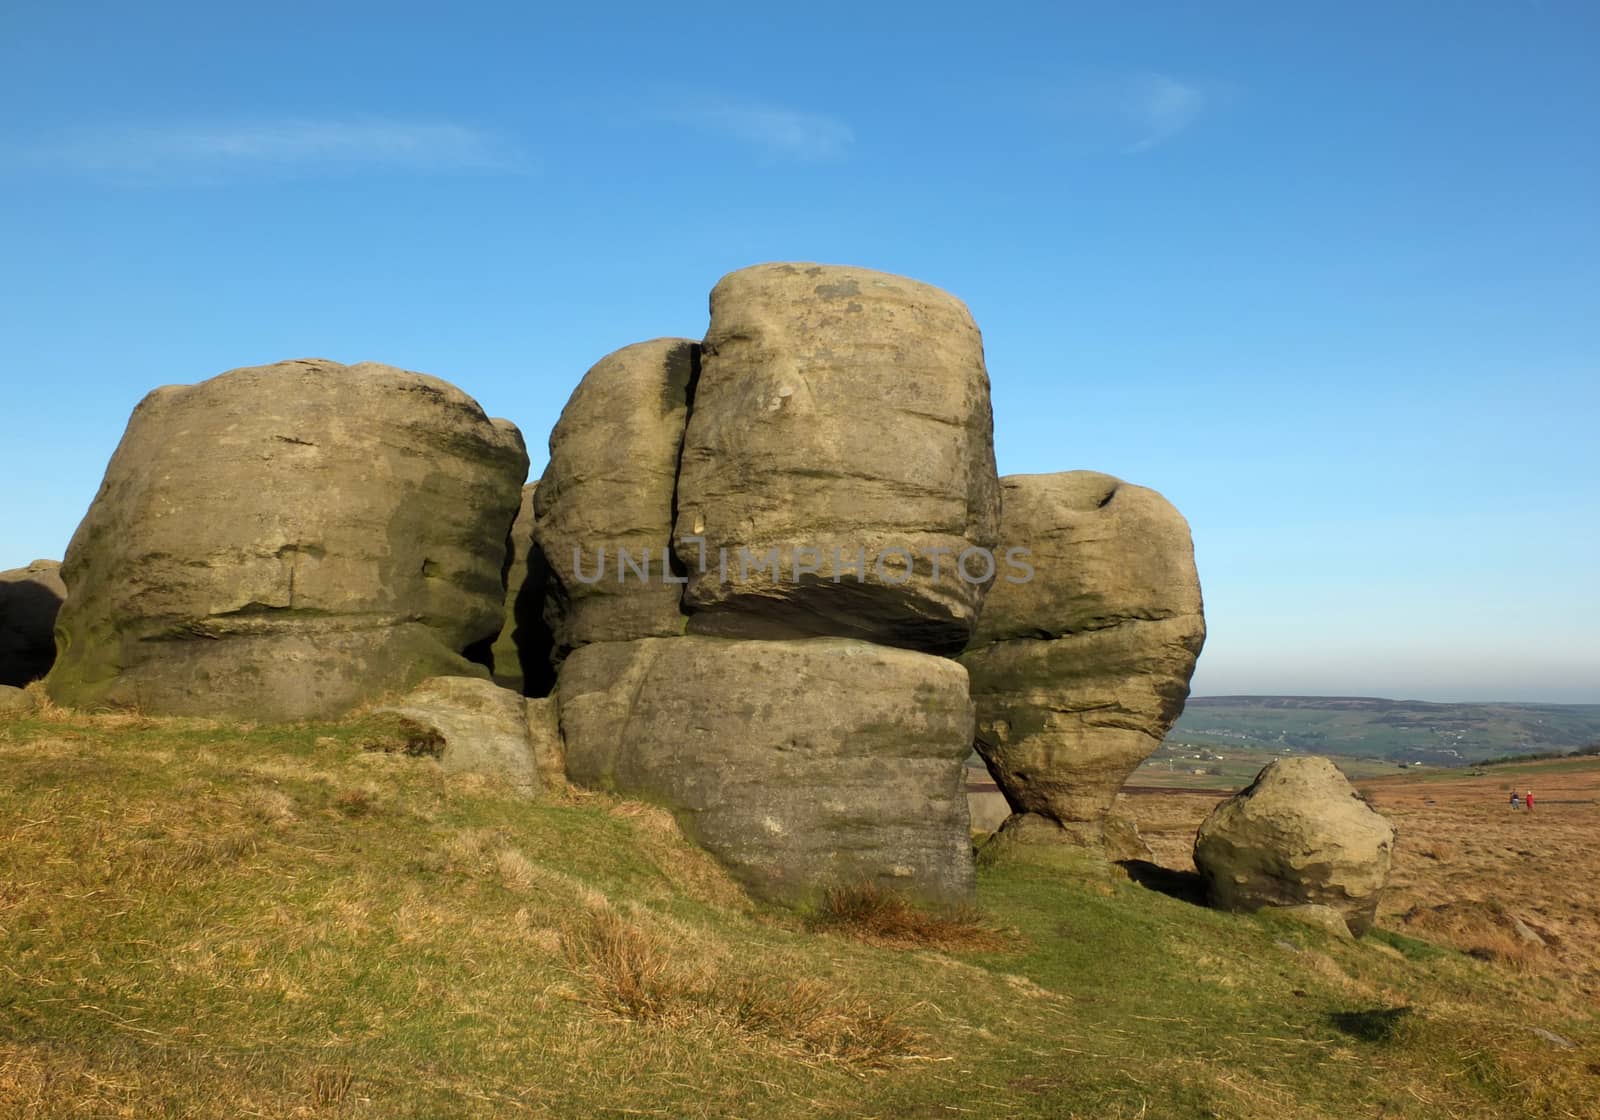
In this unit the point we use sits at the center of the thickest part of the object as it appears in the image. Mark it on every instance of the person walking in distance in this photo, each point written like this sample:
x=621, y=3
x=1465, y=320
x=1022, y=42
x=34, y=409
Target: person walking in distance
x=1516, y=801
x=1529, y=800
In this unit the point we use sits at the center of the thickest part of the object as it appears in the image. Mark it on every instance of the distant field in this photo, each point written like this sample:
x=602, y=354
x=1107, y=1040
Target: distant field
x=1177, y=766
x=1395, y=730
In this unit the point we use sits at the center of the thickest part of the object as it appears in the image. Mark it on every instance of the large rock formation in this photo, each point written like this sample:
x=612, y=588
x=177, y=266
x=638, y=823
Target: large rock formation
x=799, y=764
x=30, y=598
x=1084, y=649
x=840, y=429
x=522, y=651
x=485, y=729
x=287, y=541
x=1299, y=834
x=604, y=505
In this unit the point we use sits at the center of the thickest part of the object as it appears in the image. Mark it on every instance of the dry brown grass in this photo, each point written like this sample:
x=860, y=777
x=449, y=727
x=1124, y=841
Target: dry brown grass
x=871, y=914
x=1485, y=930
x=628, y=970
x=1467, y=870
x=396, y=734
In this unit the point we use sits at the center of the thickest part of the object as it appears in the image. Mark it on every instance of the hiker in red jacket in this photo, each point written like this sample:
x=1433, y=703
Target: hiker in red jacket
x=1529, y=800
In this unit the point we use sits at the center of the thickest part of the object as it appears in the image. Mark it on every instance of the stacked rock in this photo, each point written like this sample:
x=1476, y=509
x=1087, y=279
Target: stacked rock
x=288, y=541
x=744, y=539
x=750, y=585
x=1081, y=663
x=603, y=508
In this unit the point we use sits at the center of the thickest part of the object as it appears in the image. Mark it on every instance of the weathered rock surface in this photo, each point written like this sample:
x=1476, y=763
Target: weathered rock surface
x=485, y=728
x=1317, y=916
x=839, y=414
x=29, y=601
x=1104, y=554
x=1299, y=834
x=544, y=732
x=1082, y=658
x=522, y=651
x=287, y=541
x=605, y=502
x=14, y=701
x=798, y=764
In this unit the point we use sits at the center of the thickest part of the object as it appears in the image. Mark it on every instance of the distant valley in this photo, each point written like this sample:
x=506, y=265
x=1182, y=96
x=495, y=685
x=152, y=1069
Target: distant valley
x=1410, y=731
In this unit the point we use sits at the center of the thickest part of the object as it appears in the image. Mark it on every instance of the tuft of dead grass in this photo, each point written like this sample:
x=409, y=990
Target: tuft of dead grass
x=869, y=913
x=1484, y=930
x=1440, y=851
x=628, y=971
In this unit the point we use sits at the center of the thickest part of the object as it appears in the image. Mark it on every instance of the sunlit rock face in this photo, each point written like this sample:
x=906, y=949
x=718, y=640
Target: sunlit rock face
x=1298, y=835
x=289, y=541
x=1081, y=664
x=841, y=439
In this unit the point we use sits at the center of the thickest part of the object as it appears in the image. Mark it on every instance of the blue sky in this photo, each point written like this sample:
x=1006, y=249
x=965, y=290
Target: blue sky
x=1327, y=275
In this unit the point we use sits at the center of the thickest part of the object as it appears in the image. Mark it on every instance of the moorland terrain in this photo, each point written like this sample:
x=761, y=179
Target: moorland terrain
x=205, y=918
x=1395, y=730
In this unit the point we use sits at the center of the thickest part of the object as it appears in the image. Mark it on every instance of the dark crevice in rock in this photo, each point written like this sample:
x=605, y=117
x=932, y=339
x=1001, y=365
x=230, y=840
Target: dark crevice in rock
x=531, y=633
x=679, y=568
x=481, y=652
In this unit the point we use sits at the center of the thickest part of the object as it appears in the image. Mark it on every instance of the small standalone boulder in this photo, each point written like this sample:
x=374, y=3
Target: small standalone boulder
x=289, y=541
x=604, y=504
x=1299, y=834
x=840, y=436
x=30, y=598
x=798, y=764
x=1084, y=650
x=486, y=729
x=14, y=701
x=522, y=651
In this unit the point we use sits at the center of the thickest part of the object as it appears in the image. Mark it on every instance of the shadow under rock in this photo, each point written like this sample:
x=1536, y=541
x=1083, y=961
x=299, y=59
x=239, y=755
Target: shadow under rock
x=1186, y=886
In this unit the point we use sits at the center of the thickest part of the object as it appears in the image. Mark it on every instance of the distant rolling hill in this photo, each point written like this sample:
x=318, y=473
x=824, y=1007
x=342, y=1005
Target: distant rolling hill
x=1401, y=730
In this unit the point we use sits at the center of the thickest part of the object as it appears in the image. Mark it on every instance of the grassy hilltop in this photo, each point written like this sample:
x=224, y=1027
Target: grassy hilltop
x=1399, y=730
x=200, y=919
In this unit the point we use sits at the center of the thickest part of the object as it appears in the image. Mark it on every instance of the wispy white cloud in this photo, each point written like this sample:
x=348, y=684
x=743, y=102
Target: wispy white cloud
x=1131, y=113
x=299, y=146
x=1160, y=107
x=774, y=131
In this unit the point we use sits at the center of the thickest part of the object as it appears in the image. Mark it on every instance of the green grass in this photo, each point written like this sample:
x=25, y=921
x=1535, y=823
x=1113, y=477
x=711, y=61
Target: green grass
x=208, y=920
x=1172, y=768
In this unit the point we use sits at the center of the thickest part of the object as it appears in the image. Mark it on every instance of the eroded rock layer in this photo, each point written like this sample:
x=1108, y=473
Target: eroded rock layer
x=799, y=764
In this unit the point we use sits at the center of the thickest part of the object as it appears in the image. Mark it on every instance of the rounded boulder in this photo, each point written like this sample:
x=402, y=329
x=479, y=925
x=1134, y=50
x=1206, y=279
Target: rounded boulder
x=288, y=541
x=1298, y=835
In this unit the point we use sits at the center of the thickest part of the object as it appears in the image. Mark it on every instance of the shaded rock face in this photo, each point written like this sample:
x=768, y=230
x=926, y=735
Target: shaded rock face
x=1079, y=670
x=798, y=764
x=522, y=651
x=839, y=414
x=30, y=599
x=485, y=728
x=1298, y=835
x=287, y=541
x=605, y=502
